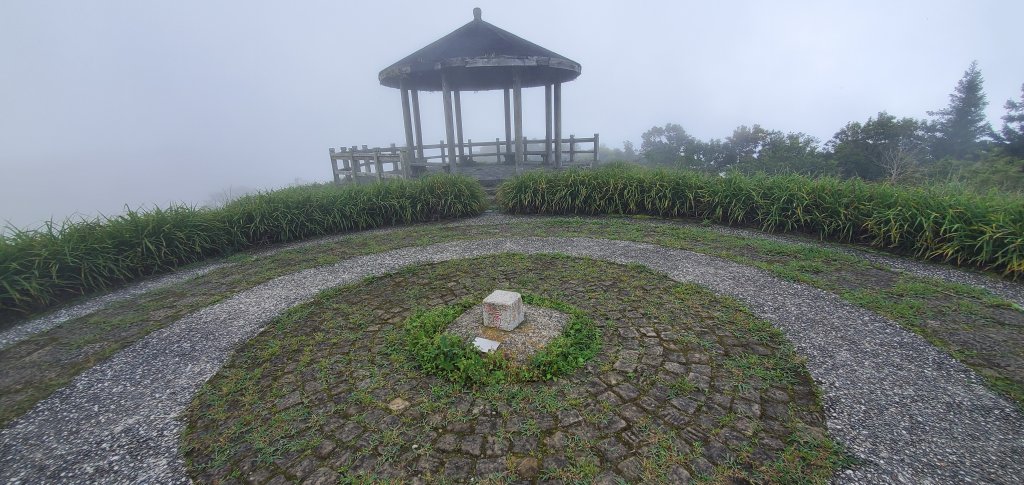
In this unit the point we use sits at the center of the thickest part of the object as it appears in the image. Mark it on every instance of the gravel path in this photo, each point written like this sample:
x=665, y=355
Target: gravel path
x=911, y=412
x=24, y=330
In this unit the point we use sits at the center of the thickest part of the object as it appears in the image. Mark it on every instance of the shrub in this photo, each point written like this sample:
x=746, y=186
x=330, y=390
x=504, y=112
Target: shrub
x=965, y=228
x=47, y=265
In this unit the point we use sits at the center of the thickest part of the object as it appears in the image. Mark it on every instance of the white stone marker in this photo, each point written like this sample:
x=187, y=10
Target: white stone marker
x=485, y=345
x=504, y=310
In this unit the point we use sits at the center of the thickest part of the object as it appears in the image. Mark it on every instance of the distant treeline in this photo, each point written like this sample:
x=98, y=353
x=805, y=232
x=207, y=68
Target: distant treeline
x=956, y=143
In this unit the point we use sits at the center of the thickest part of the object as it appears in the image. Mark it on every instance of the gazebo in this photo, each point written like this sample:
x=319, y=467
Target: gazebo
x=479, y=57
x=475, y=57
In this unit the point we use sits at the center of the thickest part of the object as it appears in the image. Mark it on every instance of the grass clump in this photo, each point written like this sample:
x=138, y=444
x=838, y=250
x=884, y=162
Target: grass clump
x=45, y=266
x=437, y=352
x=931, y=223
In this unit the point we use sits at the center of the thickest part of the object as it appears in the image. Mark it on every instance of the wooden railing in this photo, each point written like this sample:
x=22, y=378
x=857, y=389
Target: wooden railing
x=368, y=164
x=356, y=164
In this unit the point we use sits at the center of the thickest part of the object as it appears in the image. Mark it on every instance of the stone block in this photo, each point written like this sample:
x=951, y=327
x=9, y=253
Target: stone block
x=503, y=310
x=485, y=345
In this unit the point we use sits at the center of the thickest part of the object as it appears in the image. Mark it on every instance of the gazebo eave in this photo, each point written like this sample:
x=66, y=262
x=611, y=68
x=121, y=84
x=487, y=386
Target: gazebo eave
x=483, y=73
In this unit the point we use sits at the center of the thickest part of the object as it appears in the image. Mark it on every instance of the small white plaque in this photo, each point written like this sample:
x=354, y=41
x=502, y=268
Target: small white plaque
x=485, y=345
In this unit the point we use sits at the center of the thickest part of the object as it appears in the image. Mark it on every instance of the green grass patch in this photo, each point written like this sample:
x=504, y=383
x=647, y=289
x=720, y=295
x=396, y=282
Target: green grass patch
x=438, y=352
x=807, y=459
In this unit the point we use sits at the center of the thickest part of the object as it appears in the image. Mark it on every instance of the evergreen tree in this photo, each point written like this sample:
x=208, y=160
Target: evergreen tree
x=1013, y=127
x=961, y=129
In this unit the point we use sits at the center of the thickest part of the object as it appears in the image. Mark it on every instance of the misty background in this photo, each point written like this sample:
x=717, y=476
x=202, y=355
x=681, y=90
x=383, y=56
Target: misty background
x=111, y=103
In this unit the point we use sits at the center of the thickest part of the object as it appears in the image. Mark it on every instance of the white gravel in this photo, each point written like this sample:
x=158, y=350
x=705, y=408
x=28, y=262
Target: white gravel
x=24, y=330
x=908, y=410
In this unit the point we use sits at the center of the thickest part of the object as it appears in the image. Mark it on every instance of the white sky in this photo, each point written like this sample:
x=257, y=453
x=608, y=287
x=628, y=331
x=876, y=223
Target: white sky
x=107, y=103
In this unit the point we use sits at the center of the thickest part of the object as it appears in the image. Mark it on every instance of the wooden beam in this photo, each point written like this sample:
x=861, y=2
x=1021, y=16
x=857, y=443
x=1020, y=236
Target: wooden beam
x=449, y=122
x=558, y=125
x=407, y=116
x=517, y=95
x=458, y=125
x=508, y=128
x=416, y=123
x=547, y=124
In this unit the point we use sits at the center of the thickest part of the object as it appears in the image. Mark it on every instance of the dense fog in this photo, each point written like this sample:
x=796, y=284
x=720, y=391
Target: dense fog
x=112, y=103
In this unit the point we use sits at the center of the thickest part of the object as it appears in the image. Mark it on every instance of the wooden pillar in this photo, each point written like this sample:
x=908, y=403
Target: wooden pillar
x=508, y=128
x=517, y=99
x=449, y=122
x=597, y=149
x=377, y=166
x=354, y=165
x=547, y=124
x=405, y=158
x=416, y=125
x=334, y=167
x=407, y=116
x=458, y=125
x=558, y=125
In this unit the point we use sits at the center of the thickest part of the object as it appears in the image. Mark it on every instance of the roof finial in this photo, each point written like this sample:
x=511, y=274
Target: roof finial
x=476, y=13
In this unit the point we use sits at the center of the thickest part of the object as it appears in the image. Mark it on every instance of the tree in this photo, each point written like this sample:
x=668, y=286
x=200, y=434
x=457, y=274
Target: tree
x=961, y=128
x=665, y=145
x=629, y=151
x=866, y=150
x=792, y=153
x=745, y=144
x=899, y=164
x=756, y=149
x=709, y=156
x=1012, y=134
x=624, y=154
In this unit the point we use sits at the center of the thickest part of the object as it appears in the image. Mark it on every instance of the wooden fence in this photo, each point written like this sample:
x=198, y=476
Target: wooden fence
x=368, y=164
x=355, y=164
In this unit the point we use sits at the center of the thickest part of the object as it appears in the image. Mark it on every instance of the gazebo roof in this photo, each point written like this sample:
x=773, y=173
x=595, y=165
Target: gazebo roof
x=479, y=56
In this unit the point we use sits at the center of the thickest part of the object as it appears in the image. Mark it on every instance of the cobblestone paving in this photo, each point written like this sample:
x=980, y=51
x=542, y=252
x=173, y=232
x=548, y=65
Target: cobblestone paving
x=671, y=395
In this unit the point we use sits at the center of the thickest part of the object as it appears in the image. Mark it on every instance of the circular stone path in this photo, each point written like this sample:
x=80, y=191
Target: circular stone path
x=674, y=391
x=909, y=411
